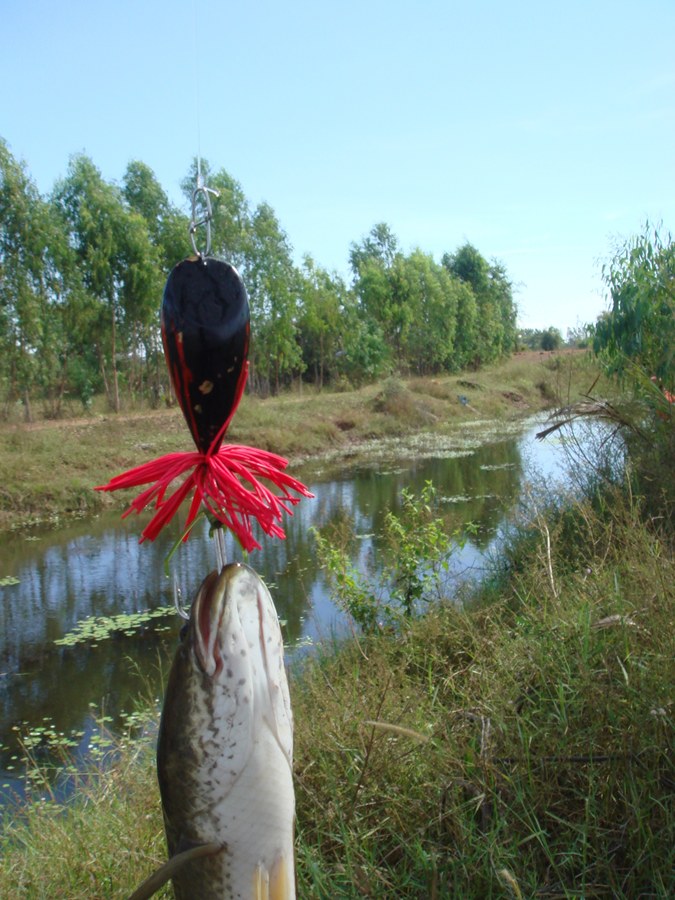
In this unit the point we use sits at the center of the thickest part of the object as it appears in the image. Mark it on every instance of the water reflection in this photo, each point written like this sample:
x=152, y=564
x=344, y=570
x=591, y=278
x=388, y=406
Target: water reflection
x=98, y=568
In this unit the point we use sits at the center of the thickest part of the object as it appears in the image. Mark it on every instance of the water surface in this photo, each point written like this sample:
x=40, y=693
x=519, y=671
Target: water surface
x=97, y=568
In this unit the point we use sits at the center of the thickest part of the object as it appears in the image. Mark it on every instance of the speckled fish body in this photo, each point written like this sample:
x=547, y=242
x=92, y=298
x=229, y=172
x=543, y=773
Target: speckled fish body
x=224, y=756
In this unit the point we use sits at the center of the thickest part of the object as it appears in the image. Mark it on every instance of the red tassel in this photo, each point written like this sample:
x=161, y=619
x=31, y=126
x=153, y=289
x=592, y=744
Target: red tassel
x=218, y=480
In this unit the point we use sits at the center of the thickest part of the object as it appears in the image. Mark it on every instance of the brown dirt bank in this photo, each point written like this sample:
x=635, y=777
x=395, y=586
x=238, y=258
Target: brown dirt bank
x=51, y=467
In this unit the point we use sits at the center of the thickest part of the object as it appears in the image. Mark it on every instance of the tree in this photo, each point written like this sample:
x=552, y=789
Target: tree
x=380, y=286
x=580, y=336
x=496, y=313
x=168, y=229
x=273, y=287
x=431, y=300
x=466, y=340
x=118, y=264
x=364, y=355
x=24, y=280
x=501, y=289
x=167, y=225
x=380, y=245
x=639, y=328
x=322, y=301
x=551, y=339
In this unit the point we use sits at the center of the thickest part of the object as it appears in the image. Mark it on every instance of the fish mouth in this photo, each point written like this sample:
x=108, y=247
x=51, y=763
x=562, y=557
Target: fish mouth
x=228, y=609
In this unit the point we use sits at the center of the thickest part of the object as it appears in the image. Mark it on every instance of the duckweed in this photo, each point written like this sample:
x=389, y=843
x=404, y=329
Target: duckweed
x=100, y=628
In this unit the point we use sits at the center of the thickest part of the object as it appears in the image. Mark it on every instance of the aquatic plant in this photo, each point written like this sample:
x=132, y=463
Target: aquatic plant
x=416, y=548
x=101, y=628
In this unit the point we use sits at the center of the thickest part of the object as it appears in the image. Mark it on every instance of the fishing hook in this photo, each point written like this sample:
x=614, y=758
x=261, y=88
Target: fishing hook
x=180, y=609
x=221, y=552
x=202, y=191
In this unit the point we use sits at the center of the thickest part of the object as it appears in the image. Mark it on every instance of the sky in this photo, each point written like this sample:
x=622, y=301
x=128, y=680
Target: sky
x=542, y=133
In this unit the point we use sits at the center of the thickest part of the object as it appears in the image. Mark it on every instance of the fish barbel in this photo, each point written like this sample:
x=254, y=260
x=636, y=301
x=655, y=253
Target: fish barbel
x=225, y=750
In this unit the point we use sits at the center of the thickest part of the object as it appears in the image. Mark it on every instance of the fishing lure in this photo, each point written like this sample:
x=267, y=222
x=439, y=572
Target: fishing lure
x=205, y=324
x=205, y=331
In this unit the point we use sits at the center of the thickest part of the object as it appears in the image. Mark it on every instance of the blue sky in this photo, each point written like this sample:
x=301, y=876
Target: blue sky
x=542, y=133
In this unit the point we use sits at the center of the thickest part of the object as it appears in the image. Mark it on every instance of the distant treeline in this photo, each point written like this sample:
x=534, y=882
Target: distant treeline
x=82, y=273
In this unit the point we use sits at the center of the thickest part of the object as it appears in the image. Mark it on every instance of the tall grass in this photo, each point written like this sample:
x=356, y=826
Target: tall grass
x=99, y=844
x=519, y=749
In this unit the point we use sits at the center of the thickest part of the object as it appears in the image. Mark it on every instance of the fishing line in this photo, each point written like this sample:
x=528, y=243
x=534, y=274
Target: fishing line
x=196, y=75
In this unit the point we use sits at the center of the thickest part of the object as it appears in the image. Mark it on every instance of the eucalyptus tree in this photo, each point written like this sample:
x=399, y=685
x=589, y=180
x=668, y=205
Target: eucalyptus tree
x=412, y=299
x=379, y=245
x=25, y=271
x=323, y=300
x=501, y=289
x=168, y=229
x=379, y=284
x=255, y=243
x=495, y=318
x=273, y=285
x=466, y=337
x=364, y=354
x=118, y=264
x=431, y=300
x=231, y=215
x=232, y=226
x=635, y=339
x=167, y=225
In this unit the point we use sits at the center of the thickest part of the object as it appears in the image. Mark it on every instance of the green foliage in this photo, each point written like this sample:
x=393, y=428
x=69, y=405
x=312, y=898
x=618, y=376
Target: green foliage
x=414, y=548
x=272, y=284
x=494, y=319
x=26, y=283
x=8, y=581
x=540, y=338
x=323, y=302
x=635, y=340
x=82, y=274
x=551, y=339
x=519, y=746
x=639, y=328
x=113, y=267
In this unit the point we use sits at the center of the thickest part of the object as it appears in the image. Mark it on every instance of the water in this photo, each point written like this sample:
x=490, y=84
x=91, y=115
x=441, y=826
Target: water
x=97, y=568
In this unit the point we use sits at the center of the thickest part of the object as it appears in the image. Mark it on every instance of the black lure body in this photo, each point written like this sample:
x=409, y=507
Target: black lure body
x=205, y=331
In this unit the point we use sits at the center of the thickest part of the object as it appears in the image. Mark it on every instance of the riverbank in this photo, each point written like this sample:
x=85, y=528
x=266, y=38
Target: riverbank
x=50, y=467
x=520, y=746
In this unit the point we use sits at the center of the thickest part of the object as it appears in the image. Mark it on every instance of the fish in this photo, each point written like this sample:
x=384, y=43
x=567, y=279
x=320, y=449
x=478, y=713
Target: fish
x=225, y=746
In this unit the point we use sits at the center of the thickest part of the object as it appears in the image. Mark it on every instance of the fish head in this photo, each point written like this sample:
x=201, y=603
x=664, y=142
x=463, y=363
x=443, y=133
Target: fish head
x=236, y=640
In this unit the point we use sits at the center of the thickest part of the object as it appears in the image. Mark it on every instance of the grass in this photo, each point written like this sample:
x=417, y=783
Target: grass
x=521, y=749
x=519, y=746
x=95, y=846
x=50, y=468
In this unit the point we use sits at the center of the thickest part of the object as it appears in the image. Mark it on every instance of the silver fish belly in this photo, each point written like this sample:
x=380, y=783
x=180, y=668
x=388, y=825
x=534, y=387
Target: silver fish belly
x=225, y=750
